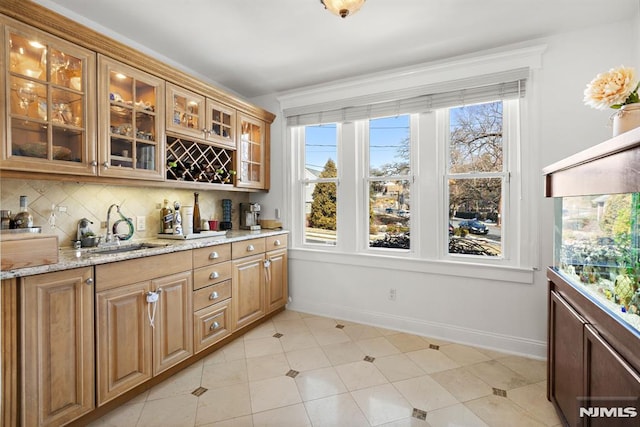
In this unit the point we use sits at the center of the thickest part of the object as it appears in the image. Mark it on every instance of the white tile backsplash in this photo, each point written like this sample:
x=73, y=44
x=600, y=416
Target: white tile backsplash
x=91, y=201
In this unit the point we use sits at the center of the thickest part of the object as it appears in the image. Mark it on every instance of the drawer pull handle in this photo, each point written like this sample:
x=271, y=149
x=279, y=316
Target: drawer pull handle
x=276, y=243
x=89, y=281
x=214, y=326
x=214, y=295
x=214, y=275
x=250, y=248
x=214, y=255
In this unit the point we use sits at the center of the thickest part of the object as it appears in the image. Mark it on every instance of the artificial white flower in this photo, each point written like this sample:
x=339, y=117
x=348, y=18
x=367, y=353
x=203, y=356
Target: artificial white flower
x=612, y=89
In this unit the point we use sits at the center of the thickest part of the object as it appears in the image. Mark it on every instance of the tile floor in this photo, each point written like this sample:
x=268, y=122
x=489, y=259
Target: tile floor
x=302, y=370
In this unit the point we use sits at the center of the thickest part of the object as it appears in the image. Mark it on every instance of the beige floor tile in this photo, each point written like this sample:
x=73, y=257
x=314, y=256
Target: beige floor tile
x=533, y=370
x=387, y=332
x=407, y=422
x=289, y=326
x=462, y=384
x=287, y=315
x=497, y=375
x=463, y=354
x=246, y=421
x=230, y=352
x=265, y=330
x=142, y=397
x=377, y=347
x=184, y=382
x=359, y=375
x=262, y=346
x=124, y=416
x=319, y=323
x=406, y=342
x=290, y=416
x=361, y=332
x=533, y=399
x=298, y=340
x=330, y=336
x=436, y=341
x=336, y=411
x=455, y=415
x=307, y=359
x=492, y=354
x=342, y=353
x=425, y=393
x=223, y=404
x=501, y=412
x=177, y=411
x=432, y=360
x=224, y=374
x=269, y=366
x=382, y=404
x=273, y=393
x=319, y=383
x=398, y=367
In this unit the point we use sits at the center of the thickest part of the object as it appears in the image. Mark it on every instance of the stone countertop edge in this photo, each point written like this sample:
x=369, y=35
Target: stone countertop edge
x=69, y=258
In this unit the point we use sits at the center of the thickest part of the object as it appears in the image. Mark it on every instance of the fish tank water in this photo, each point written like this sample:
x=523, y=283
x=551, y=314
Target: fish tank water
x=597, y=245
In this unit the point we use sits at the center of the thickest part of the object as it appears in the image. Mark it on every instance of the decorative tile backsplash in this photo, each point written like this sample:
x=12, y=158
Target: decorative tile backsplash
x=72, y=201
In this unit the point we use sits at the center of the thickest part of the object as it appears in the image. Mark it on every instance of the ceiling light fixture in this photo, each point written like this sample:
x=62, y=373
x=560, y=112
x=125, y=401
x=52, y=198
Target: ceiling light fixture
x=342, y=8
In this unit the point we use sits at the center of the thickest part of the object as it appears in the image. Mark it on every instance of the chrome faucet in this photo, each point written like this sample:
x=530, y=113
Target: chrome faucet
x=109, y=235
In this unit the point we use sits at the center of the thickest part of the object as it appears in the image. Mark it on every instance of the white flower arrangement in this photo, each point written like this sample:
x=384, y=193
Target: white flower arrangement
x=613, y=89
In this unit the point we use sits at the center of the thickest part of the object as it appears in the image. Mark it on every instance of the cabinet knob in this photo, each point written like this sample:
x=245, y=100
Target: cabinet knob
x=214, y=255
x=250, y=248
x=89, y=281
x=214, y=295
x=105, y=165
x=277, y=243
x=214, y=326
x=93, y=163
x=214, y=275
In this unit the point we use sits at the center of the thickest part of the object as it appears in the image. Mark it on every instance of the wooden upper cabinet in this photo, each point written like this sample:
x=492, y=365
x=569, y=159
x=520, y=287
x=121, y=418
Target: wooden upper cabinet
x=251, y=158
x=185, y=111
x=220, y=126
x=131, y=127
x=49, y=105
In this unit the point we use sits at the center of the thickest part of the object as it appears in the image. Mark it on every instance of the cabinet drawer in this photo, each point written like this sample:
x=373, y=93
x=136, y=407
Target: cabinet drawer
x=277, y=242
x=211, y=295
x=205, y=276
x=211, y=324
x=211, y=255
x=247, y=247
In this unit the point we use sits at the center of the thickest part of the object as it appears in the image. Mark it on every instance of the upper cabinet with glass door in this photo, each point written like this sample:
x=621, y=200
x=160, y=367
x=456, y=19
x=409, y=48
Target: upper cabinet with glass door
x=220, y=125
x=131, y=122
x=49, y=86
x=185, y=111
x=251, y=159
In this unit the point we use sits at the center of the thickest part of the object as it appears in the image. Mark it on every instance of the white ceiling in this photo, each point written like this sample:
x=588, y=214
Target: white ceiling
x=257, y=47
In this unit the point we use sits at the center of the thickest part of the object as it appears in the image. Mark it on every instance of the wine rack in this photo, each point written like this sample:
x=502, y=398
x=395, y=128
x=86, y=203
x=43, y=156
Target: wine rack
x=199, y=162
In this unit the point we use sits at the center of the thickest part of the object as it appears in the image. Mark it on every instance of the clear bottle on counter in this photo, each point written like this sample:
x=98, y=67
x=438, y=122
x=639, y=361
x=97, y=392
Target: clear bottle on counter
x=166, y=218
x=197, y=221
x=23, y=219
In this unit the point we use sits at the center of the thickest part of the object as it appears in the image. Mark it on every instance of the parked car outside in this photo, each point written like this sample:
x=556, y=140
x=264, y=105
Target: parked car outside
x=474, y=227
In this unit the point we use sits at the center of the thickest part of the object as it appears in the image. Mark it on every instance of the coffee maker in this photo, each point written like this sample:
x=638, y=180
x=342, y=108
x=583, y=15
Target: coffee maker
x=249, y=216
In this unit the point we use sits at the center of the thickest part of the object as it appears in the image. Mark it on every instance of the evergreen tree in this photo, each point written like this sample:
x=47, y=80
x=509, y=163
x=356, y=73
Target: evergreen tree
x=323, y=207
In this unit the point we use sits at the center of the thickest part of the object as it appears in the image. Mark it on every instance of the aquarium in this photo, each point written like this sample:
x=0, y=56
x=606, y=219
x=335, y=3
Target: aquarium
x=597, y=245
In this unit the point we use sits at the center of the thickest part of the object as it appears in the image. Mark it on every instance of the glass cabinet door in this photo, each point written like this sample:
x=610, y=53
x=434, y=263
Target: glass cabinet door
x=185, y=112
x=251, y=152
x=49, y=85
x=131, y=127
x=221, y=124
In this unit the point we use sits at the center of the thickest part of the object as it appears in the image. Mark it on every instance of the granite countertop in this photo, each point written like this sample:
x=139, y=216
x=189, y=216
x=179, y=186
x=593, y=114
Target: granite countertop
x=69, y=258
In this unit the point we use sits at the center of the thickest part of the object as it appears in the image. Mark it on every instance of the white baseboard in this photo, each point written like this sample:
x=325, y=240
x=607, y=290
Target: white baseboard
x=474, y=337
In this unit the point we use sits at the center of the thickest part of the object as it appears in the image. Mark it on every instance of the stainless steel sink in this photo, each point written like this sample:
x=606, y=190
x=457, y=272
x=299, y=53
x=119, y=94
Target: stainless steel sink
x=127, y=248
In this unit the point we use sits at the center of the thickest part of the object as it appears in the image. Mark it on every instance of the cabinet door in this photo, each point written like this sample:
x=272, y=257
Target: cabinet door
x=124, y=341
x=185, y=111
x=173, y=331
x=130, y=107
x=609, y=381
x=566, y=331
x=48, y=100
x=248, y=291
x=250, y=158
x=57, y=347
x=220, y=124
x=276, y=278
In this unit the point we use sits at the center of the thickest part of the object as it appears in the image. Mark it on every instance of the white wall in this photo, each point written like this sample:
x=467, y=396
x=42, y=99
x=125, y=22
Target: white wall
x=496, y=314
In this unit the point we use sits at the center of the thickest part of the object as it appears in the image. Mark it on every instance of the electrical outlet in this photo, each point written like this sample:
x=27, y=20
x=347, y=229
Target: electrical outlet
x=141, y=223
x=392, y=294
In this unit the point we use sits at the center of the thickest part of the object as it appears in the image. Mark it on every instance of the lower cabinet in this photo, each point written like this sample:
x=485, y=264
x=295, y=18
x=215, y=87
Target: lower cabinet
x=276, y=279
x=143, y=328
x=57, y=347
x=248, y=295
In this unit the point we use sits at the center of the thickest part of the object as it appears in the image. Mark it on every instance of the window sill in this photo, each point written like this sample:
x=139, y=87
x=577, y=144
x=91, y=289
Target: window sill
x=439, y=267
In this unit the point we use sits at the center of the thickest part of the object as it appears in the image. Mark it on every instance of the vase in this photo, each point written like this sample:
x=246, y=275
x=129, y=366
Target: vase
x=627, y=118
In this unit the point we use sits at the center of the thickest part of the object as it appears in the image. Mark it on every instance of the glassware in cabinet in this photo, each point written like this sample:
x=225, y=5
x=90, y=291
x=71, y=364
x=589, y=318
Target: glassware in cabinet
x=49, y=86
x=131, y=124
x=185, y=111
x=251, y=152
x=221, y=123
